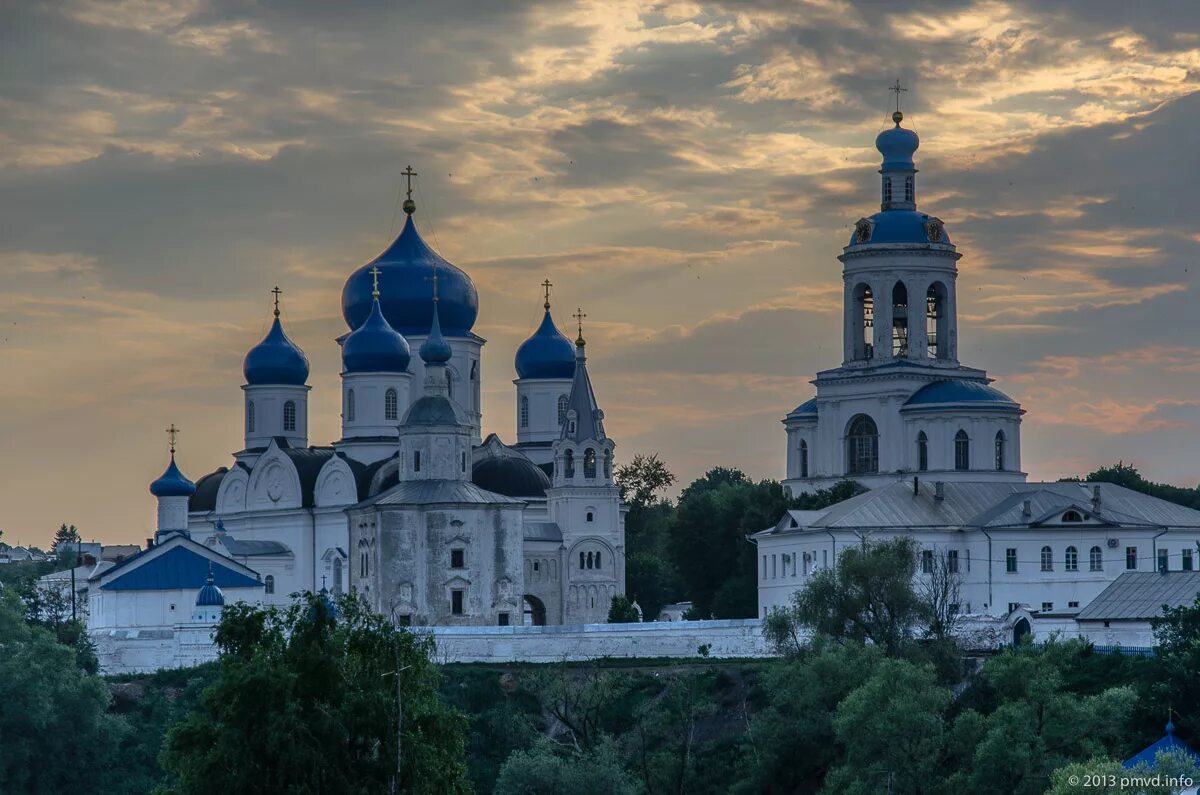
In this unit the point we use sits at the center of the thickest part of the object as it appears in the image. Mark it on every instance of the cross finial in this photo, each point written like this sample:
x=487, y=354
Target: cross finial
x=410, y=206
x=277, y=292
x=322, y=582
x=896, y=89
x=434, y=279
x=375, y=280
x=546, y=285
x=172, y=433
x=579, y=316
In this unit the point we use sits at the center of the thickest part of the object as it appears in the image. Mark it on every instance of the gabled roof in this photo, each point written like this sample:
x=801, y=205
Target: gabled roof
x=439, y=492
x=176, y=563
x=1141, y=595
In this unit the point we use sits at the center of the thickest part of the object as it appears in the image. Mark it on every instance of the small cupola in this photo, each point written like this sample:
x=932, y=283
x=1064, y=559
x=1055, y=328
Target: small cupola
x=276, y=360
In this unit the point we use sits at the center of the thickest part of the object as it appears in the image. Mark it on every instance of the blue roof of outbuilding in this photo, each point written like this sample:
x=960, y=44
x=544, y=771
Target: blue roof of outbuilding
x=276, y=360
x=547, y=353
x=177, y=568
x=899, y=226
x=1169, y=742
x=958, y=392
x=172, y=483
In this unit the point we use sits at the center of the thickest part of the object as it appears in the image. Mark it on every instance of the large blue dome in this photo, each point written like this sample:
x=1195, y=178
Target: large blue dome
x=902, y=226
x=172, y=483
x=406, y=267
x=375, y=347
x=276, y=360
x=547, y=353
x=897, y=146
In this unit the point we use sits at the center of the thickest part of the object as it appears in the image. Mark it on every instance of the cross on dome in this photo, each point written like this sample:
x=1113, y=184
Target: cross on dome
x=579, y=316
x=375, y=281
x=172, y=433
x=277, y=292
x=897, y=116
x=410, y=206
x=546, y=285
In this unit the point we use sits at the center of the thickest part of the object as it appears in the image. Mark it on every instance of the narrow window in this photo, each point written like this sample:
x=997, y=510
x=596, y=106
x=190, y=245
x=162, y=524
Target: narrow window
x=774, y=567
x=250, y=417
x=1186, y=562
x=416, y=460
x=581, y=559
x=1131, y=559
x=569, y=464
x=449, y=385
x=952, y=561
x=803, y=458
x=289, y=416
x=1047, y=559
x=1000, y=440
x=589, y=560
x=922, y=452
x=1071, y=562
x=862, y=446
x=391, y=408
x=597, y=560
x=1162, y=560
x=502, y=620
x=935, y=321
x=590, y=516
x=927, y=561
x=900, y=321
x=589, y=463
x=962, y=450
x=337, y=575
x=269, y=583
x=463, y=461
x=350, y=405
x=864, y=320
x=456, y=602
x=607, y=464
x=1096, y=559
x=458, y=558
x=524, y=411
x=887, y=192
x=908, y=189
x=562, y=409
x=1010, y=561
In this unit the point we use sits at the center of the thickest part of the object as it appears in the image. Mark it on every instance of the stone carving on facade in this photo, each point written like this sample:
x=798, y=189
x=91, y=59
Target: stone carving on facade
x=862, y=230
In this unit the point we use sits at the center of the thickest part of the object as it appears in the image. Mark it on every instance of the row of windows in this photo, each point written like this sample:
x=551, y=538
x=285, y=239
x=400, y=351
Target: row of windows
x=524, y=410
x=590, y=560
x=589, y=463
x=391, y=405
x=862, y=449
x=784, y=565
x=289, y=416
x=1187, y=561
x=887, y=190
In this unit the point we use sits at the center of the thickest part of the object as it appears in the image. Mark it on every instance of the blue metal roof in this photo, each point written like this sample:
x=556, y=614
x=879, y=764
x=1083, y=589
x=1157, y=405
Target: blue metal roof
x=958, y=392
x=547, y=353
x=375, y=347
x=435, y=349
x=276, y=360
x=1170, y=742
x=178, y=568
x=899, y=226
x=172, y=483
x=807, y=407
x=405, y=267
x=210, y=595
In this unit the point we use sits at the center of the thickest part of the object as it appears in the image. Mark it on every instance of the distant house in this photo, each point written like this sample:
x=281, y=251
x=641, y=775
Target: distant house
x=1121, y=614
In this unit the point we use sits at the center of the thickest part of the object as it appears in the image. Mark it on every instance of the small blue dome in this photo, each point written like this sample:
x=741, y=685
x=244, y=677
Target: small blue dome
x=210, y=595
x=547, y=353
x=408, y=306
x=276, y=360
x=435, y=349
x=897, y=146
x=900, y=226
x=959, y=392
x=807, y=407
x=375, y=347
x=172, y=483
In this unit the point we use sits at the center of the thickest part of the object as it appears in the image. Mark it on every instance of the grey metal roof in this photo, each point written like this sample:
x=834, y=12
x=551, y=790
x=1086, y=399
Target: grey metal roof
x=543, y=531
x=589, y=420
x=433, y=410
x=440, y=492
x=976, y=505
x=1141, y=595
x=249, y=549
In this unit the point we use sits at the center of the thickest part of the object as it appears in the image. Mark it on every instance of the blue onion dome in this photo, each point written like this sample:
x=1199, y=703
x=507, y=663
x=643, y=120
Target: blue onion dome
x=435, y=349
x=546, y=354
x=897, y=145
x=172, y=483
x=375, y=347
x=276, y=360
x=405, y=267
x=210, y=595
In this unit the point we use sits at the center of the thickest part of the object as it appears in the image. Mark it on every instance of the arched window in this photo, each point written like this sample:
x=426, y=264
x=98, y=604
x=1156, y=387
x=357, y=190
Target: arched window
x=391, y=405
x=350, y=405
x=862, y=446
x=1047, y=559
x=607, y=464
x=524, y=412
x=589, y=463
x=935, y=321
x=922, y=452
x=269, y=584
x=962, y=450
x=591, y=516
x=250, y=417
x=562, y=409
x=337, y=575
x=803, y=458
x=1072, y=517
x=569, y=464
x=900, y=321
x=597, y=560
x=1000, y=440
x=864, y=322
x=364, y=559
x=1071, y=561
x=589, y=560
x=581, y=557
x=1096, y=559
x=289, y=416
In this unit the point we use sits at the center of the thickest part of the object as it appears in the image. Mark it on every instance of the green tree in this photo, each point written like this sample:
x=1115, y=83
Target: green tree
x=643, y=480
x=1126, y=475
x=55, y=735
x=65, y=536
x=868, y=596
x=1173, y=764
x=652, y=581
x=549, y=770
x=306, y=701
x=1177, y=678
x=621, y=611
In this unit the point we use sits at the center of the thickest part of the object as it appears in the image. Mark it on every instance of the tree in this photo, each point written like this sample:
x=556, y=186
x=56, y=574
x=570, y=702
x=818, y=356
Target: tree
x=548, y=770
x=55, y=734
x=585, y=702
x=1126, y=475
x=1168, y=765
x=867, y=596
x=66, y=535
x=1177, y=635
x=940, y=591
x=665, y=738
x=652, y=581
x=642, y=480
x=306, y=701
x=622, y=611
x=823, y=498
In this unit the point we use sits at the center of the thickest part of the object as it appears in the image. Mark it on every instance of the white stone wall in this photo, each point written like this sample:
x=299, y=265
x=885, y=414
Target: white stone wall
x=543, y=395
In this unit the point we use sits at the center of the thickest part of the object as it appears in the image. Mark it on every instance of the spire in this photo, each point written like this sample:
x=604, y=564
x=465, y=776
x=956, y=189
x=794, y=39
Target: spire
x=588, y=420
x=435, y=349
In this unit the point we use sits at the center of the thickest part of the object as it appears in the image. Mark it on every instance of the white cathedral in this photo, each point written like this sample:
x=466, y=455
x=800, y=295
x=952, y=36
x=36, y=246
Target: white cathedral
x=410, y=507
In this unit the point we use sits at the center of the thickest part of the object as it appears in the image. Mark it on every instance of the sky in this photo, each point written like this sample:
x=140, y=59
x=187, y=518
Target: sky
x=685, y=172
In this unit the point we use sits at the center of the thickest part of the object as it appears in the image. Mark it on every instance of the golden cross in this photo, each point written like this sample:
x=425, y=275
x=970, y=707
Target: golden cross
x=897, y=89
x=277, y=293
x=375, y=280
x=409, y=174
x=434, y=279
x=579, y=316
x=547, y=285
x=172, y=432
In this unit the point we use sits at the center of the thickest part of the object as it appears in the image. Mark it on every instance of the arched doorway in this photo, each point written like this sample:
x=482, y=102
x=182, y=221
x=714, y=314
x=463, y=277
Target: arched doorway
x=535, y=612
x=1020, y=631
